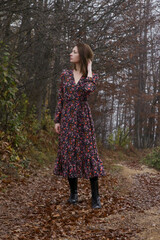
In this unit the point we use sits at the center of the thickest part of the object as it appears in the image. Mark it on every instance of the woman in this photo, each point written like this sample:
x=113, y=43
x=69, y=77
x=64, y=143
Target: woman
x=77, y=151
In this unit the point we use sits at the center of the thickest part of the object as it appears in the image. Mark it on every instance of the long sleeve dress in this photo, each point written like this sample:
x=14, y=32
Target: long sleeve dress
x=77, y=154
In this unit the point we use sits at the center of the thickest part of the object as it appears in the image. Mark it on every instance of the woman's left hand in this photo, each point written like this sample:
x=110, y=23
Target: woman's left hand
x=89, y=66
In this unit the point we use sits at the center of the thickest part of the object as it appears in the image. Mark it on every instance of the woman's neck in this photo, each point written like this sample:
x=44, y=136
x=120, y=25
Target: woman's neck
x=77, y=67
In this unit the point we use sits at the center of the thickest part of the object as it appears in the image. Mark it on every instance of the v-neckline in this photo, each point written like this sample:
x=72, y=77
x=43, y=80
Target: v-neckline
x=74, y=79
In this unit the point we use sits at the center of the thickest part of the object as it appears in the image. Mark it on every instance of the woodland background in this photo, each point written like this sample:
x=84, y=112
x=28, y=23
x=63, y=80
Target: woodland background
x=36, y=38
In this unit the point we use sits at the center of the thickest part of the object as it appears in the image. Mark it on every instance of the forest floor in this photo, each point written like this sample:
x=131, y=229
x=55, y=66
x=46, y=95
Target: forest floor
x=36, y=207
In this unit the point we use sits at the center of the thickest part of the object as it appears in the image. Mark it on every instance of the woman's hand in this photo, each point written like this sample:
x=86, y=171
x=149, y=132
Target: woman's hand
x=89, y=68
x=57, y=127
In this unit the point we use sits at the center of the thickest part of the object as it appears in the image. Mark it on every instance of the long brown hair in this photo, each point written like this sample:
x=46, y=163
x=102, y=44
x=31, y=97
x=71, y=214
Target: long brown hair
x=85, y=53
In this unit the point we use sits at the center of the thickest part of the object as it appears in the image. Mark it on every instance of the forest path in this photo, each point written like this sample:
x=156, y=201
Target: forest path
x=37, y=208
x=143, y=191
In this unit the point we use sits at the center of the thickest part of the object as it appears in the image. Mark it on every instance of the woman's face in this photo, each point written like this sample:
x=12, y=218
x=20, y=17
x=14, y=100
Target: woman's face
x=74, y=55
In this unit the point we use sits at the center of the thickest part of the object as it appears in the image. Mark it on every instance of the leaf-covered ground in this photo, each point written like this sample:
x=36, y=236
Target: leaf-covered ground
x=37, y=208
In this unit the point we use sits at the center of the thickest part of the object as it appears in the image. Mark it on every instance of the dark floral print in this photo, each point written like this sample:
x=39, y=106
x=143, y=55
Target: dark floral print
x=77, y=154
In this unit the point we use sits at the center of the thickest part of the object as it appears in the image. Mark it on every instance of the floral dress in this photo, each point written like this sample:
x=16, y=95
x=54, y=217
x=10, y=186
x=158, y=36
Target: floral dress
x=77, y=154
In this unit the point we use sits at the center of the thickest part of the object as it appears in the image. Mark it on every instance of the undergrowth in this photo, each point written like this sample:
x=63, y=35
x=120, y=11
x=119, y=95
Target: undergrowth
x=153, y=158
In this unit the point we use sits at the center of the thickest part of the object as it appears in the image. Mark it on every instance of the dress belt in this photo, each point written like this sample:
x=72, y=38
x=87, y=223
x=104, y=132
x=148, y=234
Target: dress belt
x=76, y=99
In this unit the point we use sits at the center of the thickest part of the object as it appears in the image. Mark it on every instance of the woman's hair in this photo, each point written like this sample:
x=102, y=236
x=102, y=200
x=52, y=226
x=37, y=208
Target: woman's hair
x=85, y=53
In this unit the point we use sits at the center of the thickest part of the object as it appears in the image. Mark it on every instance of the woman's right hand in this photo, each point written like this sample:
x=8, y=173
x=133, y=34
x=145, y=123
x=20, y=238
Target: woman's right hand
x=57, y=127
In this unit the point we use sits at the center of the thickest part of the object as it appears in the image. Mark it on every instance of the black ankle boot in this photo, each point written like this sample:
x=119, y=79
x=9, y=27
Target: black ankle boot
x=73, y=190
x=95, y=193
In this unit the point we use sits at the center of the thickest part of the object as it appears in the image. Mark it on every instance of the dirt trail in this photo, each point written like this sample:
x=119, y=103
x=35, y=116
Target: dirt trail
x=37, y=208
x=148, y=218
x=129, y=172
